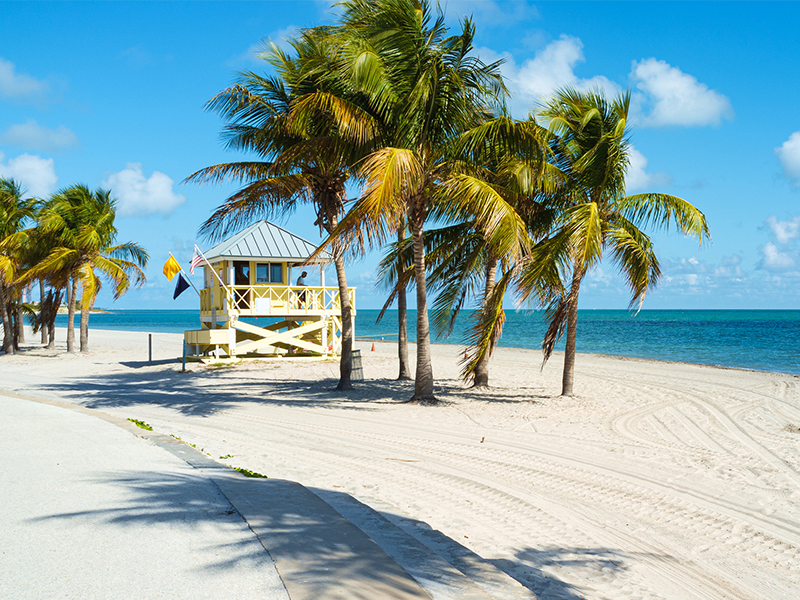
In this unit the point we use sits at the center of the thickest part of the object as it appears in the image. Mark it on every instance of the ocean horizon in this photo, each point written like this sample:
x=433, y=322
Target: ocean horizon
x=764, y=340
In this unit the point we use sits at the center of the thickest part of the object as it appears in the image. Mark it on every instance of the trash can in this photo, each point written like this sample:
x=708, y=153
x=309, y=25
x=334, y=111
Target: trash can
x=357, y=372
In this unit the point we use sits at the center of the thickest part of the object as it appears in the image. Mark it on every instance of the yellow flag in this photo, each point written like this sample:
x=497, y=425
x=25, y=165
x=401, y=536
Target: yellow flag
x=171, y=267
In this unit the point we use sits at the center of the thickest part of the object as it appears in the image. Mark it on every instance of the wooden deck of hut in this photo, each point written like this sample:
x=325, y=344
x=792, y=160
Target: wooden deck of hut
x=252, y=279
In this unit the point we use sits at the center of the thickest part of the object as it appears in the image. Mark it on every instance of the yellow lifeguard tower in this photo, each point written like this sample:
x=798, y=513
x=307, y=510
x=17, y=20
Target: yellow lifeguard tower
x=250, y=276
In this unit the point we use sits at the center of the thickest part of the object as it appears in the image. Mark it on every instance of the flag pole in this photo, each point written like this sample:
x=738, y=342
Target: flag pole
x=190, y=282
x=187, y=277
x=203, y=256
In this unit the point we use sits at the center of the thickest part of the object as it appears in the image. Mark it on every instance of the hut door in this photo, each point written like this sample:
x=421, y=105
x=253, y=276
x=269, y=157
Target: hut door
x=241, y=276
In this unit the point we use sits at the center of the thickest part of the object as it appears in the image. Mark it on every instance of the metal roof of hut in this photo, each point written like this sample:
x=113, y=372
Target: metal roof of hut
x=265, y=240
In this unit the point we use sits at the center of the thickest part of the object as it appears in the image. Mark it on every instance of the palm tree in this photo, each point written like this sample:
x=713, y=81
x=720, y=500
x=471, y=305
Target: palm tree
x=38, y=246
x=391, y=273
x=83, y=223
x=502, y=158
x=457, y=264
x=14, y=211
x=589, y=146
x=304, y=156
x=505, y=157
x=404, y=371
x=426, y=89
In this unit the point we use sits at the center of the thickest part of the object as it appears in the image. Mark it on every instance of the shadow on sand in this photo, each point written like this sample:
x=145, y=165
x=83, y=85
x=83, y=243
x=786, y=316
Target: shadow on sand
x=159, y=498
x=205, y=392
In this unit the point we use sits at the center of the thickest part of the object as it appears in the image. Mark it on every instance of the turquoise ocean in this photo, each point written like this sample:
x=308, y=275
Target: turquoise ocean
x=765, y=340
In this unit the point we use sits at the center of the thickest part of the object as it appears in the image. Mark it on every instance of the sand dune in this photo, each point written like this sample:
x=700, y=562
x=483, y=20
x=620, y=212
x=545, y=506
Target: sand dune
x=659, y=480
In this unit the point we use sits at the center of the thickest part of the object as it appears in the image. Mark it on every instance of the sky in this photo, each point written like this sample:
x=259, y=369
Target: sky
x=113, y=95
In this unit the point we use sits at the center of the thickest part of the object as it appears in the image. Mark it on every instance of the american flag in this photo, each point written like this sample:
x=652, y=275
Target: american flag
x=197, y=259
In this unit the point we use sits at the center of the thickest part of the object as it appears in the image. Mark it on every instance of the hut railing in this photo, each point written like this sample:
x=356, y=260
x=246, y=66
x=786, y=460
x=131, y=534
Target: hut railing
x=265, y=300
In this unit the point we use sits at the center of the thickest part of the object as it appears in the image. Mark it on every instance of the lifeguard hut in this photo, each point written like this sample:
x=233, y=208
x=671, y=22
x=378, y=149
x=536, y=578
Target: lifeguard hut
x=249, y=276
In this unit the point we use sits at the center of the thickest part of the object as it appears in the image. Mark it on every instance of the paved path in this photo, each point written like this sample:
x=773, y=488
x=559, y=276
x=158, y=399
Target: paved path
x=90, y=511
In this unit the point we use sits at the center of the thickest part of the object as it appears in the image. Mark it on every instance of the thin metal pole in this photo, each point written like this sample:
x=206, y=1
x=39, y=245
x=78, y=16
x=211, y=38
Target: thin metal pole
x=183, y=370
x=190, y=282
x=150, y=347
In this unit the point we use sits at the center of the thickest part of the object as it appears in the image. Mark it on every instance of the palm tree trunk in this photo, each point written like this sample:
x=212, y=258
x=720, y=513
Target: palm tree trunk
x=423, y=384
x=52, y=313
x=20, y=322
x=84, y=328
x=42, y=324
x=73, y=292
x=572, y=333
x=14, y=316
x=52, y=302
x=8, y=337
x=346, y=362
x=482, y=368
x=402, y=322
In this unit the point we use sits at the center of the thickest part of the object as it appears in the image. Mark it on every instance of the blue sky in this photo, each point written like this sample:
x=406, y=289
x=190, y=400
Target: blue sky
x=112, y=94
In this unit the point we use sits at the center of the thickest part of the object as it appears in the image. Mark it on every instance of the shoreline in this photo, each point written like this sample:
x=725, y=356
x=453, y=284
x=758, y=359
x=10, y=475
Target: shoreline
x=369, y=340
x=741, y=339
x=761, y=340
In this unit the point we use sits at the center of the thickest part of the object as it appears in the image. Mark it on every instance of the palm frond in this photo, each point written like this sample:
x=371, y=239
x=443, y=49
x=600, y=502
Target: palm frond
x=664, y=211
x=556, y=313
x=635, y=256
x=263, y=198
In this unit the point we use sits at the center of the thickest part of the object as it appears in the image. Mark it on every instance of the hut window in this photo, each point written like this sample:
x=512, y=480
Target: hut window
x=276, y=273
x=269, y=273
x=241, y=272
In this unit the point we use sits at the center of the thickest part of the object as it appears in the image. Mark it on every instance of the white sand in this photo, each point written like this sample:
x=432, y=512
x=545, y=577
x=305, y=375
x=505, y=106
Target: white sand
x=660, y=480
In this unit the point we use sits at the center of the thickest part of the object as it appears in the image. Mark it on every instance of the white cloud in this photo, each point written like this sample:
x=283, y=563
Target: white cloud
x=675, y=97
x=552, y=68
x=638, y=178
x=18, y=85
x=692, y=276
x=598, y=277
x=36, y=174
x=138, y=195
x=32, y=136
x=774, y=260
x=667, y=96
x=789, y=155
x=365, y=278
x=730, y=267
x=784, y=231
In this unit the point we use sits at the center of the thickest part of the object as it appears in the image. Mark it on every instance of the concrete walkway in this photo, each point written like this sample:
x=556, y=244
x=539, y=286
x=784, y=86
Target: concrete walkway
x=90, y=511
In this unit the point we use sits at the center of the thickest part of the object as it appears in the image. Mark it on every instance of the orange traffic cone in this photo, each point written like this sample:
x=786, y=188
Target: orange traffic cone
x=373, y=346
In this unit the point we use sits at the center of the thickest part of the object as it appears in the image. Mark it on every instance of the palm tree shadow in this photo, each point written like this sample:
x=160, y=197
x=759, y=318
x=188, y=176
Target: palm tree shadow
x=159, y=498
x=203, y=393
x=183, y=500
x=208, y=391
x=289, y=531
x=533, y=568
